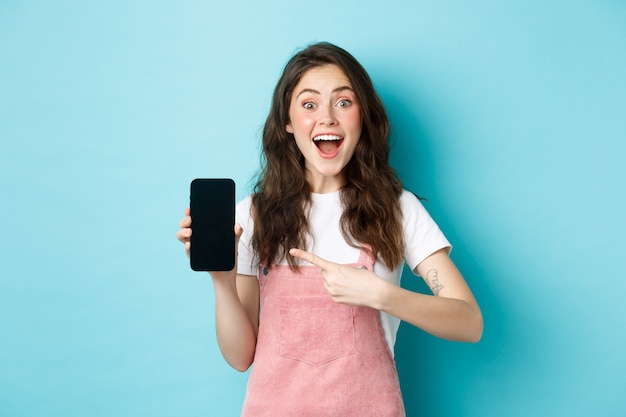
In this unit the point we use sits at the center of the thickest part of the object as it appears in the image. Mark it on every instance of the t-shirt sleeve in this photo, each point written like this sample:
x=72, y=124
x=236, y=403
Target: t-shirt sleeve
x=245, y=260
x=422, y=236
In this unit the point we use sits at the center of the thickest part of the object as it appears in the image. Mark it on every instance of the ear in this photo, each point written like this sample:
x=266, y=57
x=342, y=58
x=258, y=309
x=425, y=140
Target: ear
x=289, y=128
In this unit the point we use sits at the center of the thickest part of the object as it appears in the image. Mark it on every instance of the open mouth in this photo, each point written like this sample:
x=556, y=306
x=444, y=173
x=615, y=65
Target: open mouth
x=328, y=144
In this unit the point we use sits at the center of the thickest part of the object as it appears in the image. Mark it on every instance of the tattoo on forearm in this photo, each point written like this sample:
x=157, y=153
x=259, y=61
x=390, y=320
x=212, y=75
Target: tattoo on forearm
x=432, y=280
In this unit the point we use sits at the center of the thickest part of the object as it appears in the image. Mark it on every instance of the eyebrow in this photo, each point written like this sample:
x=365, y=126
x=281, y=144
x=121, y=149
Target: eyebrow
x=336, y=90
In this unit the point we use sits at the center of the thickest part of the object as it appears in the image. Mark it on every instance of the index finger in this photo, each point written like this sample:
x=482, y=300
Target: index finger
x=310, y=258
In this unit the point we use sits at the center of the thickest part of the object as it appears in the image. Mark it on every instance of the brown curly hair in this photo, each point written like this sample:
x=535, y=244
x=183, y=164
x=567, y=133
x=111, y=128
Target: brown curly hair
x=370, y=198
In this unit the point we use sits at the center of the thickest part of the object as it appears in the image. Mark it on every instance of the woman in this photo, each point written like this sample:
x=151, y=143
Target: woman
x=315, y=300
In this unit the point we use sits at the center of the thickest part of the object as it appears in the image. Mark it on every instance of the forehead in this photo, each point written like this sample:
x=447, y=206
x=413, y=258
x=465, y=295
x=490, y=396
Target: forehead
x=330, y=76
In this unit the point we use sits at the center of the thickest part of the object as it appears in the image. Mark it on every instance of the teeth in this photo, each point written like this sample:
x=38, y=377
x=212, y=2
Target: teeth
x=326, y=137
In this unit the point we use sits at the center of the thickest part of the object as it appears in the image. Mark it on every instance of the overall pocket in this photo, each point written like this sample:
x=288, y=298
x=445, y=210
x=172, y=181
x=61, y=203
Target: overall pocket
x=315, y=329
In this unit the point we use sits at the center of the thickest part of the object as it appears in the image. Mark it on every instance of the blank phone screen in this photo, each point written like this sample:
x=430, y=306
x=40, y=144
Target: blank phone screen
x=212, y=209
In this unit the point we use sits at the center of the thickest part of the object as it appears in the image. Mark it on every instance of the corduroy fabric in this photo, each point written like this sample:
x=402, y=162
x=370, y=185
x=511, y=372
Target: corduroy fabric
x=318, y=358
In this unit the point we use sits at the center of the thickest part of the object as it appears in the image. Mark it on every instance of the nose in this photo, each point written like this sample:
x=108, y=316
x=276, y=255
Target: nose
x=327, y=116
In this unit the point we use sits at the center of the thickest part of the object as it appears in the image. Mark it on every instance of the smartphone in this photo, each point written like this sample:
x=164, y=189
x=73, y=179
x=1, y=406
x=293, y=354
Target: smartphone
x=212, y=209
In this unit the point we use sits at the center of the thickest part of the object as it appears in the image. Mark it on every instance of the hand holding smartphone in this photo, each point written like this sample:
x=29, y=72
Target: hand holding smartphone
x=212, y=210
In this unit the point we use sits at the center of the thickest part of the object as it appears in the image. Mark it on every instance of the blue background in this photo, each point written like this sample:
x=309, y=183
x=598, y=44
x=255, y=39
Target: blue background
x=509, y=117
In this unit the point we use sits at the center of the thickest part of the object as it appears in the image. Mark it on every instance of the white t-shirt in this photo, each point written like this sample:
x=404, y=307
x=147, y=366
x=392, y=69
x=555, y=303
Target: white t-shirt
x=422, y=237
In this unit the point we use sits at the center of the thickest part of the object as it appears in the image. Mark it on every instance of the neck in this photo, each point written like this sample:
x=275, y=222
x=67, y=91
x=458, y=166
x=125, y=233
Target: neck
x=325, y=185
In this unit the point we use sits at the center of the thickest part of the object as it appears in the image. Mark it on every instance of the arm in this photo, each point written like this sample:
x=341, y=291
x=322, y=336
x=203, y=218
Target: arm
x=451, y=313
x=236, y=317
x=236, y=307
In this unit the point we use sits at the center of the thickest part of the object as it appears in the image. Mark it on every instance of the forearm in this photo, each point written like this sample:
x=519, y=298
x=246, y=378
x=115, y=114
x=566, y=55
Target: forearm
x=452, y=314
x=448, y=318
x=236, y=333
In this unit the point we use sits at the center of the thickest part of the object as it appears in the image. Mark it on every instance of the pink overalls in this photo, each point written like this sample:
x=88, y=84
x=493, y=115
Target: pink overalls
x=315, y=357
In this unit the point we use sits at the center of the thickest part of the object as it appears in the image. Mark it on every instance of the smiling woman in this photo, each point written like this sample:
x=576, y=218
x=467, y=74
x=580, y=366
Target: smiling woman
x=315, y=300
x=369, y=186
x=325, y=120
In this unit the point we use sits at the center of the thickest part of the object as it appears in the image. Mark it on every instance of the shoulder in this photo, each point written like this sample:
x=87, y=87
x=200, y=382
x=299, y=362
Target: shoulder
x=244, y=205
x=422, y=235
x=408, y=197
x=413, y=211
x=411, y=204
x=244, y=212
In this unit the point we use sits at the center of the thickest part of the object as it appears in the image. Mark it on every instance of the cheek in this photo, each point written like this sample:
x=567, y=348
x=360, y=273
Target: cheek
x=353, y=119
x=302, y=146
x=356, y=126
x=302, y=122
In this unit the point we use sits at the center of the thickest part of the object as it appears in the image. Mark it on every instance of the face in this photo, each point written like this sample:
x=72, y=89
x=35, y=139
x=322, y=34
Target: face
x=325, y=119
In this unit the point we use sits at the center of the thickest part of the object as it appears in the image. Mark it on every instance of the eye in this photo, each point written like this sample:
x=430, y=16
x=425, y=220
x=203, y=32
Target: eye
x=344, y=103
x=309, y=105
